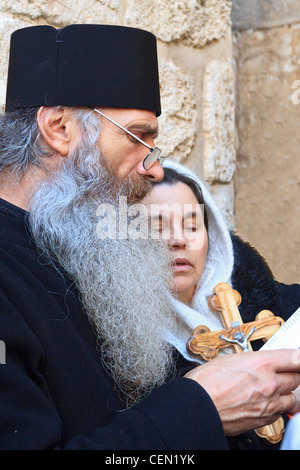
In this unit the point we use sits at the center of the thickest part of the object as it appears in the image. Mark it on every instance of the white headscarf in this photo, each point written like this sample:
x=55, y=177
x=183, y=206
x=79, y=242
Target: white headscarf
x=218, y=268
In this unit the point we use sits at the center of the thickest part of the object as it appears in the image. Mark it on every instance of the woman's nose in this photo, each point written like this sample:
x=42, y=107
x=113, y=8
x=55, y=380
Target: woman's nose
x=177, y=241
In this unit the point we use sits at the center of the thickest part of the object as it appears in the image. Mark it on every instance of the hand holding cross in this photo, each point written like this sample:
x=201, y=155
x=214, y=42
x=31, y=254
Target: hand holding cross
x=238, y=334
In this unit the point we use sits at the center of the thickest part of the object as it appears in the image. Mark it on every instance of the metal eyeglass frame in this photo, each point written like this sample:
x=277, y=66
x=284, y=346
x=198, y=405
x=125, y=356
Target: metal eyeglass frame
x=153, y=155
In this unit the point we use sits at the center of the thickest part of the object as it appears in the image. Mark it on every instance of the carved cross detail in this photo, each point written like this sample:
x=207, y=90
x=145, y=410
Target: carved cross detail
x=236, y=335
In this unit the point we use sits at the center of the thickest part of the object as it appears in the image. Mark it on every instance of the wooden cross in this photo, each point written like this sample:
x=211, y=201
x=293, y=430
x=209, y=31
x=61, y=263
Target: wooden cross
x=238, y=336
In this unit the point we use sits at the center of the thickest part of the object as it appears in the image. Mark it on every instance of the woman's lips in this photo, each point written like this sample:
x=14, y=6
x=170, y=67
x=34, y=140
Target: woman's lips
x=181, y=264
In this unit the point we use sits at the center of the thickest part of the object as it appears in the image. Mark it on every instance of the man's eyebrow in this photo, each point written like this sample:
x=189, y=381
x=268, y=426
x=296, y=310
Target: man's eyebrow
x=145, y=127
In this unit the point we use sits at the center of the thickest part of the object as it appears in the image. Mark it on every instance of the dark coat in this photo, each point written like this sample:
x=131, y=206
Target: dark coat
x=54, y=392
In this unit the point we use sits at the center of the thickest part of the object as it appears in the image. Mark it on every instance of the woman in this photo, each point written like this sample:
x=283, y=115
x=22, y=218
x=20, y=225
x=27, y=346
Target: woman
x=203, y=254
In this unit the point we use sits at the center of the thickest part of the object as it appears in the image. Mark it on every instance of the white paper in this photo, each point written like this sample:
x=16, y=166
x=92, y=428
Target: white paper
x=288, y=335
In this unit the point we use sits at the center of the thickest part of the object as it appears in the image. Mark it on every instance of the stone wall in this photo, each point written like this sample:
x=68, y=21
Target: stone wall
x=195, y=59
x=267, y=180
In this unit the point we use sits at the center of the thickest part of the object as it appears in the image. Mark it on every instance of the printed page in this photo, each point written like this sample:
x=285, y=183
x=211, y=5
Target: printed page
x=288, y=336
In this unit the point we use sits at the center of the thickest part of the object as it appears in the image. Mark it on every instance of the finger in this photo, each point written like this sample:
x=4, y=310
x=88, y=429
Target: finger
x=284, y=404
x=287, y=382
x=296, y=409
x=283, y=360
x=287, y=403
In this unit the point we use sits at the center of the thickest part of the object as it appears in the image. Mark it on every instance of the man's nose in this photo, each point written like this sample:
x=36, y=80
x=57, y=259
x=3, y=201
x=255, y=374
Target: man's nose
x=154, y=173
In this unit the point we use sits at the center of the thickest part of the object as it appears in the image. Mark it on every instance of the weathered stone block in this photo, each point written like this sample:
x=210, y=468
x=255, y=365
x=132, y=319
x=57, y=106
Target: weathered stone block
x=255, y=14
x=177, y=124
x=58, y=13
x=268, y=165
x=218, y=122
x=223, y=195
x=194, y=22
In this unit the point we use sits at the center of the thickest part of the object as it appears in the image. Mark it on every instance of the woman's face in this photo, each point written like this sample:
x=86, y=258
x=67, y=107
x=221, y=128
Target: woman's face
x=178, y=217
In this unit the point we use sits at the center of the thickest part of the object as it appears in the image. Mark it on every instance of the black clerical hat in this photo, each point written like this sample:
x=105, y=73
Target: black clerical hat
x=83, y=65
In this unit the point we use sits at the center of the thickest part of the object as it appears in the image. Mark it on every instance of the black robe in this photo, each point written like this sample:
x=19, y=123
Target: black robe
x=54, y=392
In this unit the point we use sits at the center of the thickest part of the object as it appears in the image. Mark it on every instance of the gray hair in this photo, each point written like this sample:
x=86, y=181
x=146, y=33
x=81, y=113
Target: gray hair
x=21, y=142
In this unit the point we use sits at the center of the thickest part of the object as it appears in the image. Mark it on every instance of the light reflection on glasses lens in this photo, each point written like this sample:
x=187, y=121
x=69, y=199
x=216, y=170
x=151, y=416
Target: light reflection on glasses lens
x=151, y=158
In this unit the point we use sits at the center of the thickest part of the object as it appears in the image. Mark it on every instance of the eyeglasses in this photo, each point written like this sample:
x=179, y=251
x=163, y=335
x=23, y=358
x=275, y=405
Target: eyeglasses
x=153, y=155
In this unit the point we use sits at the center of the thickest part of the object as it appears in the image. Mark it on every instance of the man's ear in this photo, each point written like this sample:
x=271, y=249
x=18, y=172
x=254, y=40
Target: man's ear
x=57, y=128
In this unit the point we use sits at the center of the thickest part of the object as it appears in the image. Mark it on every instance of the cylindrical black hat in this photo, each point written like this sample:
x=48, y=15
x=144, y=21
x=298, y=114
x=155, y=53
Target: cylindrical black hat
x=83, y=65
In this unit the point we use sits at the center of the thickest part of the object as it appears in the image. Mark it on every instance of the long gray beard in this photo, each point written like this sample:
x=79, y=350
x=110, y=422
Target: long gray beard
x=123, y=283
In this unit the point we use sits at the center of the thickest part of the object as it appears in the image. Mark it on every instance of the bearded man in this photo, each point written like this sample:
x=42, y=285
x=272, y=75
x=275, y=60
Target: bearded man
x=83, y=320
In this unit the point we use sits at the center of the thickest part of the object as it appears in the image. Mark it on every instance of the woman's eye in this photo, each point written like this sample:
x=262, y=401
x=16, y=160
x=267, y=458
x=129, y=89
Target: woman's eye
x=162, y=229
